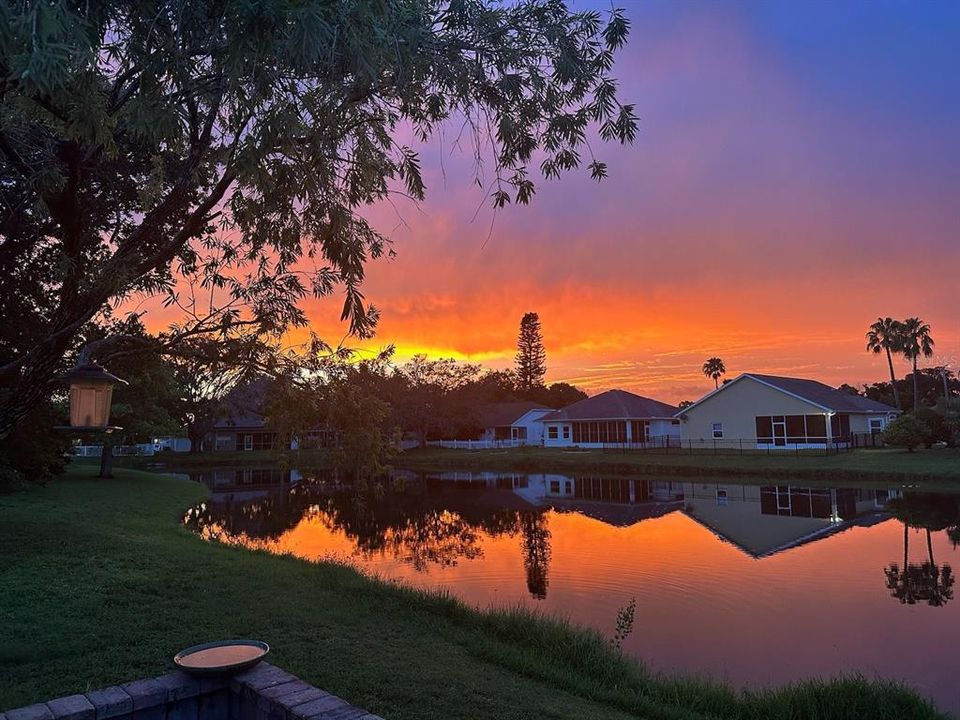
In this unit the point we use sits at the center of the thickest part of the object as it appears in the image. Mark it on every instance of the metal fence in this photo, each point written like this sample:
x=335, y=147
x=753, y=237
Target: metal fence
x=726, y=446
x=678, y=446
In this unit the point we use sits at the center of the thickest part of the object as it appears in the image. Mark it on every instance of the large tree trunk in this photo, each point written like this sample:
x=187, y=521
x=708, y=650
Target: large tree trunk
x=916, y=391
x=106, y=458
x=893, y=380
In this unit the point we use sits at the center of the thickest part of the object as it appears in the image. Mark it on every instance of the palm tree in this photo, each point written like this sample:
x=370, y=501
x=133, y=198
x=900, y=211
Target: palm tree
x=886, y=335
x=714, y=368
x=916, y=341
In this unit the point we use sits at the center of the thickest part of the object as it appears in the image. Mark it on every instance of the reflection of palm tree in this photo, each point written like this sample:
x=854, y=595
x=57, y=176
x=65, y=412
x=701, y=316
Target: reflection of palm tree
x=925, y=582
x=536, y=552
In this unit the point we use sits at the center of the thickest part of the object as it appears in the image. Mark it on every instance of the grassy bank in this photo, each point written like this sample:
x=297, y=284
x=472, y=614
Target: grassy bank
x=934, y=469
x=101, y=584
x=188, y=462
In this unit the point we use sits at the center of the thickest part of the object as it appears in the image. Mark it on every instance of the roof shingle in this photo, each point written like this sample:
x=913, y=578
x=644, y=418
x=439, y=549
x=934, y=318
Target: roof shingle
x=613, y=405
x=823, y=395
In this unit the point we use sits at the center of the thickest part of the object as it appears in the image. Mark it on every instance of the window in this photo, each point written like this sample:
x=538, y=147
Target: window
x=248, y=442
x=764, y=429
x=639, y=431
x=721, y=497
x=552, y=432
x=718, y=430
x=876, y=425
x=791, y=430
x=566, y=432
x=796, y=430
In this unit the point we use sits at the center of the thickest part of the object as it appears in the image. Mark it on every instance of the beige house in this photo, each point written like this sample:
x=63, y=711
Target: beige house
x=769, y=412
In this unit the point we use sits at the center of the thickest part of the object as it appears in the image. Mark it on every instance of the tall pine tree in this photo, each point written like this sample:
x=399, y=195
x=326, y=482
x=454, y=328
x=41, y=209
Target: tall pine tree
x=531, y=357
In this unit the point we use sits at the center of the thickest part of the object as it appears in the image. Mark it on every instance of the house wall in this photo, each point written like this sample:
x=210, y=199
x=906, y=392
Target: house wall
x=860, y=422
x=533, y=423
x=737, y=407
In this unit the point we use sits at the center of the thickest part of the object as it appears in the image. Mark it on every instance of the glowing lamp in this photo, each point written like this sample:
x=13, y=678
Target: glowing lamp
x=91, y=391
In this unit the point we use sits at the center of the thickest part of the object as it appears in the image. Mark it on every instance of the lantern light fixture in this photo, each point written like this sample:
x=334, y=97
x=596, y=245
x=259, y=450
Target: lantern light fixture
x=91, y=392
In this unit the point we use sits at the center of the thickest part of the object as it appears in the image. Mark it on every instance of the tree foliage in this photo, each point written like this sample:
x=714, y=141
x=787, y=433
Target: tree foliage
x=907, y=432
x=714, y=369
x=531, y=358
x=237, y=144
x=886, y=336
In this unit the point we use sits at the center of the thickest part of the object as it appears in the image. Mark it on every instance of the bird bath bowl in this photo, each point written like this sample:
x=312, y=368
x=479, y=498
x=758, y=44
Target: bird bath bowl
x=221, y=657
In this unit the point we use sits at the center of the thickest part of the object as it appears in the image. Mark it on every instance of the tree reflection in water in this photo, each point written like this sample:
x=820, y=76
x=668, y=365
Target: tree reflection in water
x=925, y=582
x=402, y=520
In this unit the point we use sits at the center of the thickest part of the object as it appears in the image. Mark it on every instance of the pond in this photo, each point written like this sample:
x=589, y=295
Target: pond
x=748, y=584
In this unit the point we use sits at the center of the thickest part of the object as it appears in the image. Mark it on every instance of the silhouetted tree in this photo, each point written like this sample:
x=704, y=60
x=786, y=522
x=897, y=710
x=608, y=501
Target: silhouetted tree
x=916, y=341
x=531, y=356
x=715, y=369
x=558, y=395
x=886, y=335
x=141, y=139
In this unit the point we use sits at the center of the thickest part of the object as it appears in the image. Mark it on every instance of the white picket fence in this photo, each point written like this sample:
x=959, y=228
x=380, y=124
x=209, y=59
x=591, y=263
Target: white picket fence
x=476, y=444
x=142, y=449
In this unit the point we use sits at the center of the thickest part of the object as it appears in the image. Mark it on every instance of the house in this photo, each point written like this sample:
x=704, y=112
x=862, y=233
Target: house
x=612, y=419
x=770, y=412
x=761, y=521
x=242, y=431
x=520, y=422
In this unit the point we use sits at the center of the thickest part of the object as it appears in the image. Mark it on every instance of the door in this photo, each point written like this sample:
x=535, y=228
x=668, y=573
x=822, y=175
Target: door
x=779, y=431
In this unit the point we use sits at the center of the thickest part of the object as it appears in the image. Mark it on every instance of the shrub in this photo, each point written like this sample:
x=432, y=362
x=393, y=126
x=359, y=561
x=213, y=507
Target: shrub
x=906, y=431
x=935, y=420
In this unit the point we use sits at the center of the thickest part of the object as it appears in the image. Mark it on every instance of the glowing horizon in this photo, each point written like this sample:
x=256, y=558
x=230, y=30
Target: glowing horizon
x=795, y=177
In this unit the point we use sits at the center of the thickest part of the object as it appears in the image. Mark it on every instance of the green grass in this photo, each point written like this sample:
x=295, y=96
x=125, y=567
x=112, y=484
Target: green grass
x=101, y=584
x=937, y=468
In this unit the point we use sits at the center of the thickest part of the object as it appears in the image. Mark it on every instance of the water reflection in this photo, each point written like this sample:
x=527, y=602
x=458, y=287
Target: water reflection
x=441, y=519
x=725, y=576
x=926, y=581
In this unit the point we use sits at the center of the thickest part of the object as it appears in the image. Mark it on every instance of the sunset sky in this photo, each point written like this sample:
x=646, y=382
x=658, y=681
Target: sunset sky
x=797, y=174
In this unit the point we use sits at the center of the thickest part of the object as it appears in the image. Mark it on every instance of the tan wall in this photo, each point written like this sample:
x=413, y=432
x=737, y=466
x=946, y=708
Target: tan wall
x=860, y=423
x=737, y=406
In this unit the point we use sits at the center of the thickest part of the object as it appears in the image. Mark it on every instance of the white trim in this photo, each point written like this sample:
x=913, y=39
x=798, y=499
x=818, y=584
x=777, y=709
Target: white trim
x=610, y=419
x=740, y=377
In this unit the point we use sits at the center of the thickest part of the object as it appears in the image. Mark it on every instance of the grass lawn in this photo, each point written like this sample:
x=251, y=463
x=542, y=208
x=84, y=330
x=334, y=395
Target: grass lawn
x=100, y=584
x=937, y=468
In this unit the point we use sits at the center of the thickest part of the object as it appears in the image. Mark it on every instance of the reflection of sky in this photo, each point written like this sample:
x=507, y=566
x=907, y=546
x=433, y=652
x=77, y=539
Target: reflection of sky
x=795, y=176
x=704, y=606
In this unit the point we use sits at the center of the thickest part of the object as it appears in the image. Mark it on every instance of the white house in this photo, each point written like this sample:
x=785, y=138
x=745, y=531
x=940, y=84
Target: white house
x=519, y=422
x=769, y=412
x=615, y=418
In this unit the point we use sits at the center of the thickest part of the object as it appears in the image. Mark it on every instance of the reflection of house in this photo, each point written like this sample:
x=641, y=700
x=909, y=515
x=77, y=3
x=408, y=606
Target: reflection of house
x=770, y=412
x=615, y=501
x=613, y=418
x=516, y=421
x=764, y=520
x=247, y=482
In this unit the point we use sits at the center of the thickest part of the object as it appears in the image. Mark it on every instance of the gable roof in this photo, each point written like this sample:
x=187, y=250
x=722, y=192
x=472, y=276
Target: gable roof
x=613, y=405
x=816, y=393
x=506, y=413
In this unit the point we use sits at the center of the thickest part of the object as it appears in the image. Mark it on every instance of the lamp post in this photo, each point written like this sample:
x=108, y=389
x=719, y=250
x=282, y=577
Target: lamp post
x=91, y=391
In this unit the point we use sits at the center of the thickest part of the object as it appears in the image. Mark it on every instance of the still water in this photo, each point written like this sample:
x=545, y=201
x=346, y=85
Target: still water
x=747, y=584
